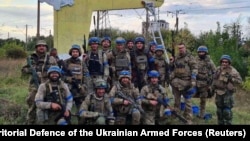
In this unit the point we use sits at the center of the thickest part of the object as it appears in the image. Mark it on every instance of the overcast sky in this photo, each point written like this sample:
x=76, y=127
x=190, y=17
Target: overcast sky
x=200, y=16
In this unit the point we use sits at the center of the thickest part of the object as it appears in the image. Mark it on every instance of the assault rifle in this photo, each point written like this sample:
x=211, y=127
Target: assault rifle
x=54, y=99
x=161, y=101
x=135, y=105
x=165, y=104
x=35, y=77
x=84, y=46
x=173, y=49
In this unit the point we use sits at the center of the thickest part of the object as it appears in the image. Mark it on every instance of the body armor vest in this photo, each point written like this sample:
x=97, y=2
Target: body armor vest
x=95, y=63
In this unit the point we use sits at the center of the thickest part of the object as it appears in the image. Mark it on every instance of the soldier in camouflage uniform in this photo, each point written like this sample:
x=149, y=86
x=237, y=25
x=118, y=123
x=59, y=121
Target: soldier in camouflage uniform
x=96, y=109
x=97, y=61
x=37, y=65
x=206, y=69
x=126, y=109
x=140, y=63
x=106, y=48
x=151, y=55
x=153, y=97
x=225, y=80
x=159, y=64
x=184, y=69
x=120, y=59
x=53, y=100
x=76, y=75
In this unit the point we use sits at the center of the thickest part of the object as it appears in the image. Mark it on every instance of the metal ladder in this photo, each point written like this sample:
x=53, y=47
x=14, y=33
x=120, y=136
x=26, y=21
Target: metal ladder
x=155, y=29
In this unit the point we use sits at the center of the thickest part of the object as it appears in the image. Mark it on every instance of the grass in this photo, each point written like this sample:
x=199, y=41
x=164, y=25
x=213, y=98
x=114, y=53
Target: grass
x=14, y=89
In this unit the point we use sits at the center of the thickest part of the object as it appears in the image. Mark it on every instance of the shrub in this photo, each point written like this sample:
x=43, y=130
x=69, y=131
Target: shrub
x=15, y=53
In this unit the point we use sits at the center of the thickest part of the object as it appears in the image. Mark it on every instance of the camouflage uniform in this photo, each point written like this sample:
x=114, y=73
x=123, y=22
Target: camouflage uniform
x=107, y=49
x=76, y=75
x=225, y=80
x=97, y=61
x=161, y=66
x=120, y=59
x=96, y=109
x=37, y=65
x=125, y=113
x=53, y=92
x=156, y=93
x=151, y=55
x=140, y=64
x=206, y=69
x=183, y=80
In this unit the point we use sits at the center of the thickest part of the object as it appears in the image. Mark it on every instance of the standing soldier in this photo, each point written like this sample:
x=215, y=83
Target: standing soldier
x=159, y=64
x=154, y=96
x=120, y=59
x=53, y=100
x=151, y=54
x=97, y=61
x=96, y=109
x=225, y=80
x=183, y=80
x=140, y=63
x=38, y=64
x=76, y=75
x=206, y=69
x=125, y=100
x=106, y=48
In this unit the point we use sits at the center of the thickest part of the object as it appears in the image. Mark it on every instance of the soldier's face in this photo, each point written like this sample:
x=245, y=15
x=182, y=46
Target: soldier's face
x=54, y=76
x=158, y=53
x=94, y=46
x=105, y=44
x=154, y=80
x=130, y=44
x=182, y=49
x=152, y=48
x=119, y=47
x=100, y=92
x=125, y=80
x=75, y=53
x=225, y=63
x=139, y=45
x=41, y=48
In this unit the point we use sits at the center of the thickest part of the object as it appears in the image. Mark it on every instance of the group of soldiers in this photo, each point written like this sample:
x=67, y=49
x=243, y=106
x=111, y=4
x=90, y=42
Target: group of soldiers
x=126, y=84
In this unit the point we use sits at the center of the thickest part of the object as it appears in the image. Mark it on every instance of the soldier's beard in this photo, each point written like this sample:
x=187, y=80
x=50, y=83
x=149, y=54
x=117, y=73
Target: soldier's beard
x=53, y=79
x=126, y=84
x=202, y=56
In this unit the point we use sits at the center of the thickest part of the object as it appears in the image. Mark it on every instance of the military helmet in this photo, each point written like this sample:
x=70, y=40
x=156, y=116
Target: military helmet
x=159, y=48
x=120, y=40
x=41, y=42
x=152, y=43
x=140, y=39
x=101, y=83
x=202, y=48
x=75, y=46
x=94, y=40
x=106, y=38
x=153, y=73
x=54, y=69
x=227, y=57
x=124, y=73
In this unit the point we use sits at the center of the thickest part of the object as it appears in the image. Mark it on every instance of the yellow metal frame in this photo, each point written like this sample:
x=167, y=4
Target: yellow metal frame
x=71, y=23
